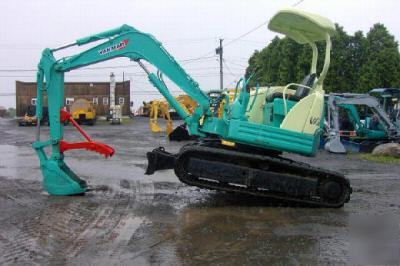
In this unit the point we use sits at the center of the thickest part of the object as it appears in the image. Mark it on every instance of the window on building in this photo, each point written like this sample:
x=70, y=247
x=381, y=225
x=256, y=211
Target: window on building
x=121, y=100
x=105, y=100
x=33, y=101
x=95, y=100
x=69, y=101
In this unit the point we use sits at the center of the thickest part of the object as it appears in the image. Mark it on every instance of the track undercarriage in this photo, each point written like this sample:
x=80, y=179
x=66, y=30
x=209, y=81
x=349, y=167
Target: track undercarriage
x=211, y=165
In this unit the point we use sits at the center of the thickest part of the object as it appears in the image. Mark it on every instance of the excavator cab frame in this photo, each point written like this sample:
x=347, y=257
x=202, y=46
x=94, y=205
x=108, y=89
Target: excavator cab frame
x=389, y=99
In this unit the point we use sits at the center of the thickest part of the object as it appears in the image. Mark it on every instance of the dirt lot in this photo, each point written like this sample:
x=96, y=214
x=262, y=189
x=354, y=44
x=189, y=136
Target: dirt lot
x=155, y=219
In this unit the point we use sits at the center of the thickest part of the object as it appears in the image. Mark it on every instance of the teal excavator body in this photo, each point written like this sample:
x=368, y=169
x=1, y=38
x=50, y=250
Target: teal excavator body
x=297, y=131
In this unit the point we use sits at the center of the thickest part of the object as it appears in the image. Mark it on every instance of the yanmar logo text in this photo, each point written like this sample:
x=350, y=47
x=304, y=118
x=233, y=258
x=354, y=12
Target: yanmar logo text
x=119, y=46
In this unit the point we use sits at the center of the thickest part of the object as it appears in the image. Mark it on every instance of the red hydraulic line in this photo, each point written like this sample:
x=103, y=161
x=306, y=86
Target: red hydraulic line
x=67, y=116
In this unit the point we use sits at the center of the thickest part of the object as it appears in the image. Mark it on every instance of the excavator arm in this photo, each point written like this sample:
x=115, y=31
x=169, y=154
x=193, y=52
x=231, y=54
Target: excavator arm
x=124, y=41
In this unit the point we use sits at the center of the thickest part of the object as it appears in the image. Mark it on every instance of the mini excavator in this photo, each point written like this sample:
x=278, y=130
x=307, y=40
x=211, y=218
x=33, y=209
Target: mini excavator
x=252, y=162
x=357, y=122
x=160, y=108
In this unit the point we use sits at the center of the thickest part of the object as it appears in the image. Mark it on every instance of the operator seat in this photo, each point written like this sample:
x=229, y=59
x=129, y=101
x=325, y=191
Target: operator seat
x=300, y=93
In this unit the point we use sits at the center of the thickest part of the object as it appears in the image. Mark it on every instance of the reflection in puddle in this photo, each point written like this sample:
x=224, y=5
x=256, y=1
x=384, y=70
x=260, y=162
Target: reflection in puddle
x=236, y=235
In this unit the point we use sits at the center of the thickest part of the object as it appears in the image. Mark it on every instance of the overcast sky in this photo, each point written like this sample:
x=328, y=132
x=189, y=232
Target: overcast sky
x=188, y=29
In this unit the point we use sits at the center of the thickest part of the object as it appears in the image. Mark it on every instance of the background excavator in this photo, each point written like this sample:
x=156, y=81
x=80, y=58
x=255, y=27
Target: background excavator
x=29, y=118
x=253, y=164
x=161, y=108
x=357, y=122
x=389, y=99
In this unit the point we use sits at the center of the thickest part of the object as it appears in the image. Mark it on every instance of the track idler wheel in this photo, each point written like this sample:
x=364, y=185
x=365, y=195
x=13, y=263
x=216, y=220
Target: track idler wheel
x=331, y=190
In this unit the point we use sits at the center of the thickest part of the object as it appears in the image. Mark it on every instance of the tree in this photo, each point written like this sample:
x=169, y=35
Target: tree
x=356, y=51
x=358, y=63
x=340, y=74
x=288, y=58
x=381, y=60
x=265, y=63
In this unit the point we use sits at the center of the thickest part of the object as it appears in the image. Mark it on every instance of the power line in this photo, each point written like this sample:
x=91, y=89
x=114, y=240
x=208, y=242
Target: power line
x=83, y=75
x=249, y=41
x=236, y=64
x=229, y=70
x=246, y=33
x=23, y=46
x=106, y=67
x=257, y=27
x=184, y=61
x=298, y=3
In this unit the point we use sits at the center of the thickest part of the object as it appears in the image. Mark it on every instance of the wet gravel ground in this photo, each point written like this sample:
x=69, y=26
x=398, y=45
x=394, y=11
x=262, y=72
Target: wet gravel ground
x=141, y=220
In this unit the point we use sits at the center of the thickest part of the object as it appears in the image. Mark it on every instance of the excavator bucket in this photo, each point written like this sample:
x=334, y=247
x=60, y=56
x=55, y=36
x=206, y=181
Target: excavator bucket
x=154, y=127
x=59, y=179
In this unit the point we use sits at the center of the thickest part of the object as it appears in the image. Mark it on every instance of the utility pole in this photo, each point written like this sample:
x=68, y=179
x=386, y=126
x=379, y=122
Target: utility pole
x=219, y=51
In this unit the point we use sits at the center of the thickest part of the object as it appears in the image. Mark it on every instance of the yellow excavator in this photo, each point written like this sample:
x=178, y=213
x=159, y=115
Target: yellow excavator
x=161, y=108
x=29, y=118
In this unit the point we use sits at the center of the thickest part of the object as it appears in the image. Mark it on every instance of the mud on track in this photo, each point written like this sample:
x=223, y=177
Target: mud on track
x=138, y=219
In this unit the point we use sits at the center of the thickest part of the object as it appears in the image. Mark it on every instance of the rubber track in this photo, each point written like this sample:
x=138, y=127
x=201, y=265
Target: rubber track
x=204, y=151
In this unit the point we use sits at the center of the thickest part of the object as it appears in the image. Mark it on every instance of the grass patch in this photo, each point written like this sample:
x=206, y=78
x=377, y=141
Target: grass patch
x=379, y=158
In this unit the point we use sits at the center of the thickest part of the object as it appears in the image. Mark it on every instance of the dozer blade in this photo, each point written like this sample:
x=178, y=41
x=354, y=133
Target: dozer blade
x=159, y=159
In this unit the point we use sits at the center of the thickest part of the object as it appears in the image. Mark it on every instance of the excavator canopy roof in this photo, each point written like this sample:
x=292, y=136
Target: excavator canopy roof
x=301, y=26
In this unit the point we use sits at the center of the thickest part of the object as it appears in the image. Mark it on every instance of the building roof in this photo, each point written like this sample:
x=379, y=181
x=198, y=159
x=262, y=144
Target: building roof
x=79, y=82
